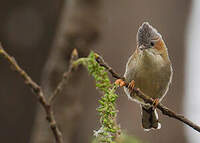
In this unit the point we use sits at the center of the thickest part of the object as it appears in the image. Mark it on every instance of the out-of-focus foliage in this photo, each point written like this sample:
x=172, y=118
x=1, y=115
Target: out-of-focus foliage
x=124, y=139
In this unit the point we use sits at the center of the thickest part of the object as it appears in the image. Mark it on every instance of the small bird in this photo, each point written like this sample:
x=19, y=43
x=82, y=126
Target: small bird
x=149, y=69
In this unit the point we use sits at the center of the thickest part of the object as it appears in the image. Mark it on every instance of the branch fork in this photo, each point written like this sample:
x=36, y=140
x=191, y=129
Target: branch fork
x=38, y=92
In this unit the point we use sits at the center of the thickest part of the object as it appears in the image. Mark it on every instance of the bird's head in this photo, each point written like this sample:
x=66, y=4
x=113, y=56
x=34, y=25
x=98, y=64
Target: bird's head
x=149, y=40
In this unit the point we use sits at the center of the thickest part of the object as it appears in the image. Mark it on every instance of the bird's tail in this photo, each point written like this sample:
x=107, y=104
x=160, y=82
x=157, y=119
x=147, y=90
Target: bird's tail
x=150, y=118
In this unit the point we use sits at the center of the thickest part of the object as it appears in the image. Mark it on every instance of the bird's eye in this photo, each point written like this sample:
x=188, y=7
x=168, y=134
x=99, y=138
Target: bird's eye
x=152, y=43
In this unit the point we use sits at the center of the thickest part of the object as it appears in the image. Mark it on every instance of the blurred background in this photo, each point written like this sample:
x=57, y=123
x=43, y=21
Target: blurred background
x=41, y=36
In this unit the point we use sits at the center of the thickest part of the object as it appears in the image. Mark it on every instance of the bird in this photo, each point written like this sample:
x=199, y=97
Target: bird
x=149, y=69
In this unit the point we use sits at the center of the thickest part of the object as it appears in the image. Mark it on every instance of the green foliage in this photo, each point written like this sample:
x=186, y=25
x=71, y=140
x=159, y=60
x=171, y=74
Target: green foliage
x=109, y=130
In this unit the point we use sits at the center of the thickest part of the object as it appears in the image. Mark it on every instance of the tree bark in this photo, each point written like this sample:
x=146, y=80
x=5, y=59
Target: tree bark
x=78, y=28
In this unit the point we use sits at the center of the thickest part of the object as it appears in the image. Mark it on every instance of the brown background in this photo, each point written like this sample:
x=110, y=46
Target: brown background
x=27, y=30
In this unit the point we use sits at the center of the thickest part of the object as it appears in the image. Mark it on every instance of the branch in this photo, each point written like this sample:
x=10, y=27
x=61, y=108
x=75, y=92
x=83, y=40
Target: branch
x=102, y=63
x=38, y=93
x=65, y=77
x=165, y=111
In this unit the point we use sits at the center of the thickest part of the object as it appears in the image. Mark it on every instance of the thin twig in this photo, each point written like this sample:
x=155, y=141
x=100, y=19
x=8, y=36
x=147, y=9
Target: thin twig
x=65, y=77
x=161, y=107
x=101, y=62
x=37, y=92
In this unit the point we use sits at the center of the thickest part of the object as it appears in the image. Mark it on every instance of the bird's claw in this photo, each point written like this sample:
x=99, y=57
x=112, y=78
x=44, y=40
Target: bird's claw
x=131, y=85
x=155, y=103
x=120, y=82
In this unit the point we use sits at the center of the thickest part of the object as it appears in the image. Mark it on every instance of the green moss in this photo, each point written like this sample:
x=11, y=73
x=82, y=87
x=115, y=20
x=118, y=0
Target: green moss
x=109, y=129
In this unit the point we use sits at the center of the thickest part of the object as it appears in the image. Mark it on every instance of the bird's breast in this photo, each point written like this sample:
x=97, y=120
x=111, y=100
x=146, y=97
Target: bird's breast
x=151, y=74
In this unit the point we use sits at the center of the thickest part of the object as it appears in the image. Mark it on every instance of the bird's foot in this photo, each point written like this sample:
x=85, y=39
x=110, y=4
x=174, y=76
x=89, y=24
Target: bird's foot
x=155, y=103
x=131, y=86
x=120, y=82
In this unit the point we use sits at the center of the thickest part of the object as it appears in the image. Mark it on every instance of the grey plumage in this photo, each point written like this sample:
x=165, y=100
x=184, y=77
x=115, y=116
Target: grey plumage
x=146, y=33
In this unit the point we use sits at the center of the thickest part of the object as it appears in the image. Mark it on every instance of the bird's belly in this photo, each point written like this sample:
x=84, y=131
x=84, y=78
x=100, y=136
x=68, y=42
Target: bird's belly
x=152, y=82
x=152, y=79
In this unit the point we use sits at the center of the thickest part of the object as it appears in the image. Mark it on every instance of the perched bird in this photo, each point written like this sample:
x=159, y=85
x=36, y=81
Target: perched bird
x=149, y=69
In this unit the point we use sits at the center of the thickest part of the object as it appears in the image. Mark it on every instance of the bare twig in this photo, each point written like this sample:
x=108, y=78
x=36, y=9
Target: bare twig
x=38, y=93
x=65, y=77
x=161, y=107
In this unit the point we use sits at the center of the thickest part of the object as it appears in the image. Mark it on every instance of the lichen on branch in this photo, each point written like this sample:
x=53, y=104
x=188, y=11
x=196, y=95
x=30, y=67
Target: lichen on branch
x=109, y=129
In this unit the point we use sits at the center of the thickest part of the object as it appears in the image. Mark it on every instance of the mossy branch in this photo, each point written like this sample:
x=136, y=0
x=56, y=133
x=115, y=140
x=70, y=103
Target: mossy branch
x=165, y=111
x=109, y=130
